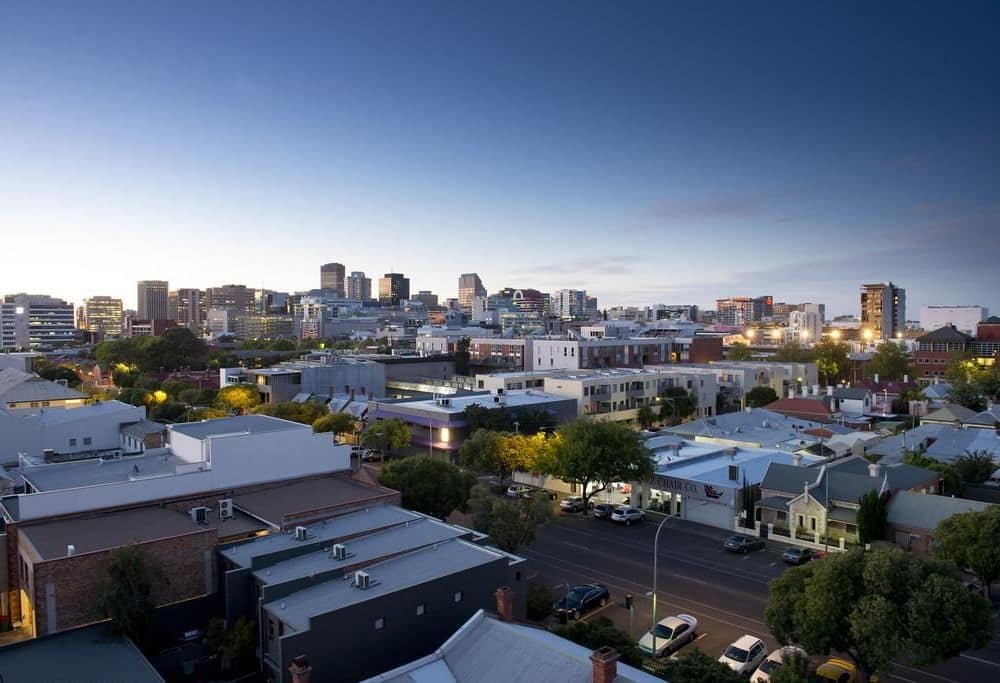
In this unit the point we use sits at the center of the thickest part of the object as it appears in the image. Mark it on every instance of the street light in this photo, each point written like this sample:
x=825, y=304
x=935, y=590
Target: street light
x=656, y=555
x=750, y=334
x=835, y=334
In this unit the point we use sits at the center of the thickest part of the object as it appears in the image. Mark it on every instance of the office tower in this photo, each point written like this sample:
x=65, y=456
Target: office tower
x=393, y=288
x=331, y=277
x=883, y=310
x=189, y=308
x=153, y=301
x=102, y=315
x=238, y=299
x=359, y=287
x=426, y=297
x=35, y=321
x=469, y=287
x=569, y=304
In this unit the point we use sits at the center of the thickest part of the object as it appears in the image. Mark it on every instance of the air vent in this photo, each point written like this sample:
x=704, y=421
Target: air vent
x=300, y=533
x=339, y=551
x=362, y=579
x=199, y=515
x=226, y=508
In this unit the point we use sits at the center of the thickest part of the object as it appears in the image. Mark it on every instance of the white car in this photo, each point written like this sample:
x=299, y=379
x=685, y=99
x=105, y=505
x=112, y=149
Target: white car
x=571, y=504
x=670, y=634
x=624, y=514
x=517, y=491
x=774, y=661
x=744, y=655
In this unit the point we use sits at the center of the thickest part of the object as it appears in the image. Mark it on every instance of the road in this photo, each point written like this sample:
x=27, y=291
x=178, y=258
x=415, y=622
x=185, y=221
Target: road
x=726, y=592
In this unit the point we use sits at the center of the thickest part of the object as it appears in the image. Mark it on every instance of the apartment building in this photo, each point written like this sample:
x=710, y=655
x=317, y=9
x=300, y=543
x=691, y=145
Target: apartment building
x=883, y=310
x=103, y=316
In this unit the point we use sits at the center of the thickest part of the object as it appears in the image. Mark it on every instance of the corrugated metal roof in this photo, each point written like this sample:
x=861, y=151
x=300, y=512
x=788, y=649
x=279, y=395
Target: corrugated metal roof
x=926, y=511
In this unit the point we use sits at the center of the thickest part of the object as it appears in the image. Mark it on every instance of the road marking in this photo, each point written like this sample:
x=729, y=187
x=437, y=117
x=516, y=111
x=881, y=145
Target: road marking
x=596, y=611
x=772, y=564
x=980, y=660
x=924, y=673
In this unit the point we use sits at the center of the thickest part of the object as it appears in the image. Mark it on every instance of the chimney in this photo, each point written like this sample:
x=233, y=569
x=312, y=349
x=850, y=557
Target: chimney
x=70, y=550
x=605, y=662
x=874, y=469
x=300, y=669
x=505, y=603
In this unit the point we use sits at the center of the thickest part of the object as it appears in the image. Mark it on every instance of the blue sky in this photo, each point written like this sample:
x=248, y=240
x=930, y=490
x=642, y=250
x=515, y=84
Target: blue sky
x=648, y=152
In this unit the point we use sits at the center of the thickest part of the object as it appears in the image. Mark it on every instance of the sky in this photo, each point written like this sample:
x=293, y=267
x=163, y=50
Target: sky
x=649, y=152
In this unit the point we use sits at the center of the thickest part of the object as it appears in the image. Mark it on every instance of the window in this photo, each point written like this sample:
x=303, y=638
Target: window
x=380, y=623
x=87, y=441
x=458, y=596
x=72, y=442
x=812, y=523
x=421, y=609
x=517, y=576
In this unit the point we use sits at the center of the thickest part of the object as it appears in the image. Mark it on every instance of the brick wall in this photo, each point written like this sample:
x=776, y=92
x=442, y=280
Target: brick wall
x=77, y=580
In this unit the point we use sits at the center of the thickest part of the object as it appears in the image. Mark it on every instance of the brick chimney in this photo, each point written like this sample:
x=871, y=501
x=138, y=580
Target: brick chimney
x=505, y=603
x=605, y=661
x=300, y=669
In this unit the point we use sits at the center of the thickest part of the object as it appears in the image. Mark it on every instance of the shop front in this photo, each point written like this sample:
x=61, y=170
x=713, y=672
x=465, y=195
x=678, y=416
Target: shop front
x=696, y=501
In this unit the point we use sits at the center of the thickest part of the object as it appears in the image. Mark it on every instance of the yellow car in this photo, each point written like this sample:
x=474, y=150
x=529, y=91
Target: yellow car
x=841, y=671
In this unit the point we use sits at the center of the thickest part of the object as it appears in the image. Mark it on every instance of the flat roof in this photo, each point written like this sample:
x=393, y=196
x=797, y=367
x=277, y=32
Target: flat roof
x=94, y=471
x=398, y=573
x=274, y=504
x=89, y=654
x=240, y=424
x=459, y=402
x=110, y=530
x=714, y=469
x=404, y=537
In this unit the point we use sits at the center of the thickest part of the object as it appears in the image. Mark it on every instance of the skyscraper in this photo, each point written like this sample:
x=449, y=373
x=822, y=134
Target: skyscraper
x=153, y=300
x=238, y=299
x=393, y=288
x=883, y=310
x=35, y=321
x=569, y=304
x=103, y=316
x=331, y=277
x=189, y=307
x=359, y=287
x=469, y=287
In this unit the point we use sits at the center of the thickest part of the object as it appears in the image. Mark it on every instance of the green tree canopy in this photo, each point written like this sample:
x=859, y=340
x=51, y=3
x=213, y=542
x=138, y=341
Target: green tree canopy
x=237, y=397
x=645, y=417
x=594, y=455
x=338, y=423
x=794, y=352
x=53, y=372
x=126, y=595
x=500, y=454
x=890, y=362
x=462, y=356
x=975, y=467
x=872, y=513
x=433, y=487
x=236, y=644
x=739, y=351
x=968, y=395
x=305, y=413
x=761, y=396
x=972, y=541
x=877, y=607
x=951, y=483
x=832, y=361
x=677, y=402
x=600, y=632
x=511, y=524
x=697, y=667
x=528, y=420
x=388, y=434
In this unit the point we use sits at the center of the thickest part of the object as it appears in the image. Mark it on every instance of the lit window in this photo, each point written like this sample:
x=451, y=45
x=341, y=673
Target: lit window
x=458, y=596
x=380, y=623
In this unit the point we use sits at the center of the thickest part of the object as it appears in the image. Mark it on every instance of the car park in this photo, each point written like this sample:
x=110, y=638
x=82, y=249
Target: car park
x=582, y=599
x=741, y=543
x=627, y=515
x=571, y=504
x=744, y=655
x=603, y=510
x=797, y=555
x=669, y=635
x=517, y=491
x=839, y=670
x=774, y=662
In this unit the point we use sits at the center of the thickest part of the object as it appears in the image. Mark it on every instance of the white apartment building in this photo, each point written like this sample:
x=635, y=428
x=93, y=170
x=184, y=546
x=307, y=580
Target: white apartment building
x=805, y=327
x=964, y=318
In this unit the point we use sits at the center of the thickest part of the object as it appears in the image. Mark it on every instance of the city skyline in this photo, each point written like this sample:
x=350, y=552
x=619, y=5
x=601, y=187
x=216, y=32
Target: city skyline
x=655, y=155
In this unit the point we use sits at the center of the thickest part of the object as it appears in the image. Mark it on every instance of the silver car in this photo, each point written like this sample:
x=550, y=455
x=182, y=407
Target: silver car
x=626, y=515
x=670, y=634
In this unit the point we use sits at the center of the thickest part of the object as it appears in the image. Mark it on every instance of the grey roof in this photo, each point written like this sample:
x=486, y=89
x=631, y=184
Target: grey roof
x=937, y=391
x=240, y=424
x=254, y=553
x=49, y=417
x=845, y=487
x=17, y=386
x=487, y=650
x=389, y=576
x=842, y=515
x=85, y=655
x=952, y=443
x=900, y=476
x=380, y=544
x=306, y=495
x=950, y=413
x=766, y=428
x=141, y=429
x=773, y=503
x=67, y=475
x=946, y=334
x=851, y=393
x=926, y=511
x=111, y=530
x=788, y=478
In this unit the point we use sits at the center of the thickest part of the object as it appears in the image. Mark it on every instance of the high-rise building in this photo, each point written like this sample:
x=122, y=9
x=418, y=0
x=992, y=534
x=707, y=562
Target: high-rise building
x=331, y=277
x=189, y=308
x=359, y=287
x=737, y=311
x=469, y=287
x=102, y=315
x=883, y=310
x=569, y=304
x=35, y=321
x=393, y=288
x=238, y=299
x=426, y=297
x=965, y=318
x=153, y=300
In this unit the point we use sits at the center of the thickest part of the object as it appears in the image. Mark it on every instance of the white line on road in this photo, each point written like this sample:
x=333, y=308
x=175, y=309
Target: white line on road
x=981, y=660
x=924, y=673
x=596, y=611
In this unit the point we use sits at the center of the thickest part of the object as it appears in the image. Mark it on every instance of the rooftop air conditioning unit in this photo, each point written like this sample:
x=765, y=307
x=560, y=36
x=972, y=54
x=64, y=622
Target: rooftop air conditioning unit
x=339, y=551
x=199, y=515
x=226, y=508
x=362, y=579
x=500, y=391
x=443, y=401
x=300, y=533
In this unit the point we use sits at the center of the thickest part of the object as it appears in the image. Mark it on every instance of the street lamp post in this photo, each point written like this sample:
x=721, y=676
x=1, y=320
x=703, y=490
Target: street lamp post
x=656, y=555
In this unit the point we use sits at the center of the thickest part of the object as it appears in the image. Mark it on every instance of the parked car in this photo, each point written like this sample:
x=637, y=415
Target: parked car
x=741, y=543
x=795, y=555
x=774, y=662
x=517, y=490
x=670, y=634
x=627, y=515
x=581, y=599
x=603, y=510
x=571, y=504
x=840, y=670
x=744, y=655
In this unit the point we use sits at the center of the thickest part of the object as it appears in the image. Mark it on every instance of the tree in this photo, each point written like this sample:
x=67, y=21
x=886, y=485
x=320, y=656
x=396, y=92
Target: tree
x=305, y=413
x=975, y=467
x=972, y=541
x=739, y=351
x=951, y=483
x=890, y=362
x=511, y=524
x=794, y=352
x=794, y=669
x=52, y=372
x=234, y=644
x=126, y=596
x=433, y=487
x=596, y=453
x=599, y=632
x=338, y=423
x=968, y=395
x=876, y=607
x=961, y=368
x=501, y=454
x=871, y=517
x=539, y=601
x=388, y=434
x=761, y=396
x=237, y=398
x=832, y=361
x=677, y=402
x=697, y=667
x=645, y=417
x=462, y=356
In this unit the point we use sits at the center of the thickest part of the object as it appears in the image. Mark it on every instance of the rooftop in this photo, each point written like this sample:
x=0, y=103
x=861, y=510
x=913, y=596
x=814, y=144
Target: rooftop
x=926, y=511
x=274, y=504
x=240, y=424
x=17, y=386
x=761, y=427
x=709, y=463
x=458, y=403
x=945, y=335
x=91, y=472
x=398, y=573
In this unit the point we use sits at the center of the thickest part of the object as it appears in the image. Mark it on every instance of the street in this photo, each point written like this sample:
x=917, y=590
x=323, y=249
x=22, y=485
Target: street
x=726, y=592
